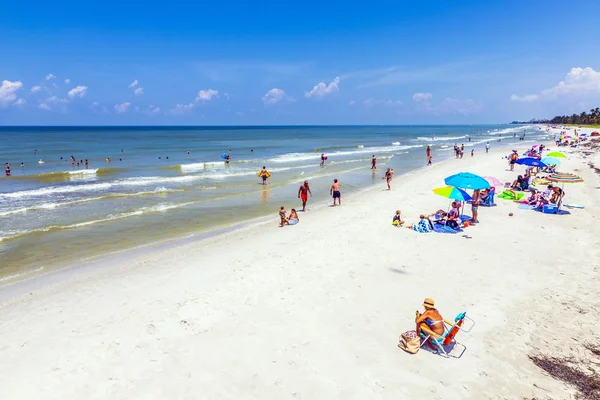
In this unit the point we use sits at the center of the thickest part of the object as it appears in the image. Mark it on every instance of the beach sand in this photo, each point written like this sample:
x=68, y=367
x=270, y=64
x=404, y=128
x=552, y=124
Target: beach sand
x=314, y=311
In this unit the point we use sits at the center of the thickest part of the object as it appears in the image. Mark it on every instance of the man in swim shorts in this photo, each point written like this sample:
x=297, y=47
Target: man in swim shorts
x=513, y=158
x=431, y=318
x=335, y=192
x=303, y=194
x=264, y=174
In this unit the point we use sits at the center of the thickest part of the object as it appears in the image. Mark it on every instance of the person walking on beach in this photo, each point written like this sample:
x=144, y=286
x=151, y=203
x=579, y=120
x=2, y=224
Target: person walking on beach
x=388, y=178
x=472, y=152
x=322, y=159
x=303, y=194
x=264, y=174
x=462, y=150
x=512, y=159
x=487, y=147
x=334, y=191
x=428, y=152
x=429, y=159
x=374, y=162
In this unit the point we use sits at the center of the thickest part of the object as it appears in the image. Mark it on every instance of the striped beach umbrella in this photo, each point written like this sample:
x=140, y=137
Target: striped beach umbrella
x=563, y=177
x=451, y=192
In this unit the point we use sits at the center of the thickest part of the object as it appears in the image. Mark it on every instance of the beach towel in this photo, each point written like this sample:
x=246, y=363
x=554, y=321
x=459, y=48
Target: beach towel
x=439, y=228
x=526, y=207
x=508, y=195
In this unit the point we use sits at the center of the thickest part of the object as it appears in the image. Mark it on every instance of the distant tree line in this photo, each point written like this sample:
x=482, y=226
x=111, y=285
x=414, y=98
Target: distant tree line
x=591, y=118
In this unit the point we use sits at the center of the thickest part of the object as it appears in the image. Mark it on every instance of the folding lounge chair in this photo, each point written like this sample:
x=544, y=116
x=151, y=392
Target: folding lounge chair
x=437, y=342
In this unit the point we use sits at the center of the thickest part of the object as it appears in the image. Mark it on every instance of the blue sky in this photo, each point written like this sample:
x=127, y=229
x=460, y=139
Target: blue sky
x=238, y=63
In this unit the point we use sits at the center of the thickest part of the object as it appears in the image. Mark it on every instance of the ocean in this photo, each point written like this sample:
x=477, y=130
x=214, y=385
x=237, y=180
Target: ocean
x=149, y=184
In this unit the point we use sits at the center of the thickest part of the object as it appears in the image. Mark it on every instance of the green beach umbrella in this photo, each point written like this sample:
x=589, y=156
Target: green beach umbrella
x=556, y=154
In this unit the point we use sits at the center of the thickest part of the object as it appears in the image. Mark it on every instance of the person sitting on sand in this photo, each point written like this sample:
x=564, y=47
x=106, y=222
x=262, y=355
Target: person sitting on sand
x=282, y=217
x=455, y=211
x=534, y=198
x=557, y=196
x=520, y=184
x=423, y=226
x=293, y=219
x=431, y=318
x=397, y=220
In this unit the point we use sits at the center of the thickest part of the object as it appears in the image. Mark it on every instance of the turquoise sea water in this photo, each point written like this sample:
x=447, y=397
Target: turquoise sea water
x=152, y=189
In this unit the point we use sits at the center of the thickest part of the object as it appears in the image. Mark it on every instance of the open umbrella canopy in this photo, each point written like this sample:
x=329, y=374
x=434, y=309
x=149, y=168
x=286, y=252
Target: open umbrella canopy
x=493, y=181
x=532, y=162
x=563, y=177
x=451, y=192
x=467, y=180
x=556, y=154
x=551, y=161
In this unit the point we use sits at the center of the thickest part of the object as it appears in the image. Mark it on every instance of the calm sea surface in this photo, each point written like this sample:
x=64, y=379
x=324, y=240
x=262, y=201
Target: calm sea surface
x=52, y=212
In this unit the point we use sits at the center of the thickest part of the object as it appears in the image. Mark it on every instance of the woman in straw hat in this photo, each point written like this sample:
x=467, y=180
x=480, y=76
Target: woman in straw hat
x=431, y=318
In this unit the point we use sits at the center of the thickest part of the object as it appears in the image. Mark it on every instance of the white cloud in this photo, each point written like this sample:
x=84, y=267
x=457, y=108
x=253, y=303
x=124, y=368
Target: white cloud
x=8, y=92
x=19, y=103
x=181, y=109
x=275, y=95
x=389, y=103
x=457, y=106
x=44, y=106
x=321, y=89
x=152, y=110
x=122, y=108
x=526, y=98
x=133, y=84
x=352, y=102
x=422, y=96
x=139, y=91
x=578, y=82
x=55, y=99
x=78, y=91
x=67, y=81
x=36, y=89
x=207, y=95
x=98, y=109
x=50, y=76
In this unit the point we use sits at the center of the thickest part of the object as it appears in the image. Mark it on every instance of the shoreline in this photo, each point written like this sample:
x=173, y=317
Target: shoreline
x=11, y=282
x=315, y=310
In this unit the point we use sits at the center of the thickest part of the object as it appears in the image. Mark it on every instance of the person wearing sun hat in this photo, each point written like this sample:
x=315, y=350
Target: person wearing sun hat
x=431, y=318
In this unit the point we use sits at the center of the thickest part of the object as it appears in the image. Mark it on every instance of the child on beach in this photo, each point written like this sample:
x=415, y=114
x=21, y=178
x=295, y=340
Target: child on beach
x=429, y=160
x=397, y=221
x=472, y=152
x=282, y=218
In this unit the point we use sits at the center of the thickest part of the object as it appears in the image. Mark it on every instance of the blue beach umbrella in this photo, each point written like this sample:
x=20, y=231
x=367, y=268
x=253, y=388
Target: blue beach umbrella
x=551, y=161
x=530, y=161
x=467, y=180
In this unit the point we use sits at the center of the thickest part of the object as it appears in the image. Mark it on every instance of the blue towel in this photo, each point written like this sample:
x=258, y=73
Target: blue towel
x=438, y=228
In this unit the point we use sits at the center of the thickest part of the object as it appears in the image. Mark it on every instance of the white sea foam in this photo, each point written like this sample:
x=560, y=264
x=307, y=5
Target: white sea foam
x=83, y=172
x=139, y=181
x=439, y=138
x=293, y=157
x=396, y=143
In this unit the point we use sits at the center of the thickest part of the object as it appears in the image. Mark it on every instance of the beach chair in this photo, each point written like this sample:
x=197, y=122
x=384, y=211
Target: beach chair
x=489, y=200
x=439, y=342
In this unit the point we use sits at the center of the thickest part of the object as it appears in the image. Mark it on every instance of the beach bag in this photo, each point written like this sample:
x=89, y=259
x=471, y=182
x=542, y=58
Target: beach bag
x=410, y=342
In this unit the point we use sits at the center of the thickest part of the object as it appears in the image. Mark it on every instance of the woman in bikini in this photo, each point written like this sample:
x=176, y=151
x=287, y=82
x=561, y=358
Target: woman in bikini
x=431, y=318
x=388, y=178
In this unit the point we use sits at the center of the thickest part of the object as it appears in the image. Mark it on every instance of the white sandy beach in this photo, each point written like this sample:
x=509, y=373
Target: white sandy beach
x=314, y=311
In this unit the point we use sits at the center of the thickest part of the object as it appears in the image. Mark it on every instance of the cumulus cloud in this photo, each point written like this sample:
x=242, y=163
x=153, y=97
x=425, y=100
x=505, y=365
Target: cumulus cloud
x=36, y=89
x=97, y=108
x=321, y=89
x=388, y=103
x=55, y=99
x=8, y=92
x=420, y=96
x=133, y=84
x=352, y=102
x=207, y=95
x=44, y=106
x=122, y=108
x=578, y=82
x=139, y=91
x=78, y=91
x=19, y=103
x=181, y=109
x=274, y=96
x=67, y=81
x=152, y=110
x=50, y=77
